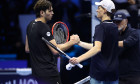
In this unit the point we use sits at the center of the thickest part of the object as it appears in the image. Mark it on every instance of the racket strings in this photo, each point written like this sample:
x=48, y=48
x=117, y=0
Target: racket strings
x=60, y=33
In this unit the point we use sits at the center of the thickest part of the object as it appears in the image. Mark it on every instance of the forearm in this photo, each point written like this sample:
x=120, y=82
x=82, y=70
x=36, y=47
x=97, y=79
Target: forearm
x=65, y=46
x=62, y=47
x=92, y=52
x=26, y=45
x=85, y=45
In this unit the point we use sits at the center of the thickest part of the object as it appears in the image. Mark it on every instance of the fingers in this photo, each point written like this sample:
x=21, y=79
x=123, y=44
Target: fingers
x=75, y=38
x=72, y=37
x=74, y=60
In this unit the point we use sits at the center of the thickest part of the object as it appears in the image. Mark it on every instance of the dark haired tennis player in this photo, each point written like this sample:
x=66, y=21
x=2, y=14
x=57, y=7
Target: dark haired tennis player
x=104, y=61
x=43, y=63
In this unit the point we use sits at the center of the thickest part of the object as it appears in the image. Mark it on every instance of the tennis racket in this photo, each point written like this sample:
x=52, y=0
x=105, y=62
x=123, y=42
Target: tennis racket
x=85, y=80
x=69, y=66
x=60, y=32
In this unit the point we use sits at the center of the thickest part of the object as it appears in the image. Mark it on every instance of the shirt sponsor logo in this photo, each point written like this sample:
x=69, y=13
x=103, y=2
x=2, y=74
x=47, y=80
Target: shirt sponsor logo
x=48, y=34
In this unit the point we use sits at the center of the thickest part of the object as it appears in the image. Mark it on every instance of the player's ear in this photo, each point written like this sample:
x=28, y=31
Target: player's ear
x=41, y=13
x=105, y=11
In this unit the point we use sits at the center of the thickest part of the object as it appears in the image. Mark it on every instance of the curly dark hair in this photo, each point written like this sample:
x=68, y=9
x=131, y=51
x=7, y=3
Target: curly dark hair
x=42, y=5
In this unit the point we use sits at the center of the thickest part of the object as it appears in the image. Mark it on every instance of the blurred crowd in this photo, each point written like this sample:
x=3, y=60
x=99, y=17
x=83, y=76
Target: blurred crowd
x=132, y=8
x=10, y=33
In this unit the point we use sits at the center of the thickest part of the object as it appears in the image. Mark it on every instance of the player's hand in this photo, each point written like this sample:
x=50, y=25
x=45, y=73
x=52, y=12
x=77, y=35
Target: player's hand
x=74, y=60
x=75, y=38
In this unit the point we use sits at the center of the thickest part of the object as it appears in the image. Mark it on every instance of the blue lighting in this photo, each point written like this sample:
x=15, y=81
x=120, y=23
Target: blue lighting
x=8, y=56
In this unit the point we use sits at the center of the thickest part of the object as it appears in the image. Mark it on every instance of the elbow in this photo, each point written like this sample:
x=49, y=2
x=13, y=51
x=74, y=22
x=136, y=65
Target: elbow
x=98, y=50
x=27, y=50
x=55, y=53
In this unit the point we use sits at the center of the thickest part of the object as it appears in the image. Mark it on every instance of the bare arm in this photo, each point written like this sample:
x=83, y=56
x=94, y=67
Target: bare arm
x=85, y=45
x=74, y=39
x=52, y=49
x=92, y=52
x=64, y=46
x=26, y=45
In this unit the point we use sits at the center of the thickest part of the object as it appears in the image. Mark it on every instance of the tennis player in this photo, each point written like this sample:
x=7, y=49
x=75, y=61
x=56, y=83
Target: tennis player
x=43, y=65
x=103, y=52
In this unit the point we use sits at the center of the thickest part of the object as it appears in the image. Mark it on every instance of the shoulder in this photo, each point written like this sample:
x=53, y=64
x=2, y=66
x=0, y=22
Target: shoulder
x=107, y=25
x=99, y=26
x=31, y=22
x=132, y=30
x=42, y=25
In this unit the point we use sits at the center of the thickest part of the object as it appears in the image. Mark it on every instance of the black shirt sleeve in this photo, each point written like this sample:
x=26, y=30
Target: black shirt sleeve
x=99, y=33
x=46, y=32
x=131, y=39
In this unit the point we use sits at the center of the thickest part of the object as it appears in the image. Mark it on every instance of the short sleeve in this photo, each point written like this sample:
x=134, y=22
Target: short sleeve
x=46, y=32
x=99, y=33
x=131, y=39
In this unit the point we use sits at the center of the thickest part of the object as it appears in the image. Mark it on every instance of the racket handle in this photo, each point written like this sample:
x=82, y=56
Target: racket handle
x=80, y=65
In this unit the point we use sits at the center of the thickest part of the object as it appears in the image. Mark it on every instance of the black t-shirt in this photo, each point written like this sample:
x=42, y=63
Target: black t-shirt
x=104, y=65
x=42, y=59
x=129, y=59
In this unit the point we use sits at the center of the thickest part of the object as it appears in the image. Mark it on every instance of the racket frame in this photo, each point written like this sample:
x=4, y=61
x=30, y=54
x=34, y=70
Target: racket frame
x=59, y=22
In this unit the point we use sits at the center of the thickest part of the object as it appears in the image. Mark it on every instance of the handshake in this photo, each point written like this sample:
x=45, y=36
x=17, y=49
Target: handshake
x=73, y=61
x=74, y=39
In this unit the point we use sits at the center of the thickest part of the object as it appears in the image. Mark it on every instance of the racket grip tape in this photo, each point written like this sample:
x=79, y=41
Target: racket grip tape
x=80, y=65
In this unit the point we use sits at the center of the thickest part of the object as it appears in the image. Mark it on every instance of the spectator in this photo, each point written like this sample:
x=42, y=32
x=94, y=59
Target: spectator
x=129, y=58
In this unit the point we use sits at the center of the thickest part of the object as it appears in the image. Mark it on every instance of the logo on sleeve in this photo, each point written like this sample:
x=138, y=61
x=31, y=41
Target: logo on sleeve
x=48, y=34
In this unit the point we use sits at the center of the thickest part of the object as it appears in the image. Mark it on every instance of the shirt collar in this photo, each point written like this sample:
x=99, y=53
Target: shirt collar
x=107, y=21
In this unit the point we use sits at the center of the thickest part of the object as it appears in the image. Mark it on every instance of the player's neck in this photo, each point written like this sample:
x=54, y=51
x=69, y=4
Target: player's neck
x=41, y=19
x=105, y=17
